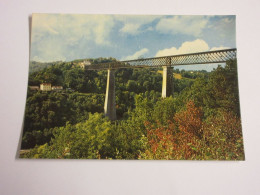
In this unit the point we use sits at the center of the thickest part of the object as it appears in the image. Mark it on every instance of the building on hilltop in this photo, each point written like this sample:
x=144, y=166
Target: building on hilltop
x=84, y=64
x=45, y=87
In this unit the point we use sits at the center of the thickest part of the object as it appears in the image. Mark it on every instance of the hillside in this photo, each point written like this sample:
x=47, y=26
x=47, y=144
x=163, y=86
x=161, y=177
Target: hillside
x=200, y=121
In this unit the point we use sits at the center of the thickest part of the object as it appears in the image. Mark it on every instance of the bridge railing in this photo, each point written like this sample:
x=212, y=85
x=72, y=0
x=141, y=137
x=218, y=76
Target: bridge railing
x=209, y=57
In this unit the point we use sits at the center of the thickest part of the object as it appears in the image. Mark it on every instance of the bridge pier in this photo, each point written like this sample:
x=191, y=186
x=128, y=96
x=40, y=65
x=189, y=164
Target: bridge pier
x=110, y=100
x=167, y=84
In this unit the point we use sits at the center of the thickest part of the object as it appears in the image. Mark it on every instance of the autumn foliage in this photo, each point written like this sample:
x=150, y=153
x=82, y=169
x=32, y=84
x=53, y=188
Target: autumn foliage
x=200, y=122
x=189, y=137
x=189, y=120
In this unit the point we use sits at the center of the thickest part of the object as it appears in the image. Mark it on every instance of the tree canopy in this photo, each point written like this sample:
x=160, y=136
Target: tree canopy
x=201, y=120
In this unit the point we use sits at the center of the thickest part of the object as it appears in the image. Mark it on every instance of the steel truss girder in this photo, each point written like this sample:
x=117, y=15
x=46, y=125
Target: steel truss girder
x=218, y=56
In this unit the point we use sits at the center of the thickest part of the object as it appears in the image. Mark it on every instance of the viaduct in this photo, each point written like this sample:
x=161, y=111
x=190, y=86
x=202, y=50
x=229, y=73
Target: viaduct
x=166, y=62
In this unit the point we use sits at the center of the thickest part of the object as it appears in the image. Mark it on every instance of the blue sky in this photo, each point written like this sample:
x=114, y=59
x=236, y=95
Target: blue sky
x=67, y=37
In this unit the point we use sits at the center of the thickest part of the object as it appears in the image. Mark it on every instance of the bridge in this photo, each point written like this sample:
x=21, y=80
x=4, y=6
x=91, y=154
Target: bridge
x=166, y=62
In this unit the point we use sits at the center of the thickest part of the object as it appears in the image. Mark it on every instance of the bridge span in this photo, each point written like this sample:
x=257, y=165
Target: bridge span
x=166, y=62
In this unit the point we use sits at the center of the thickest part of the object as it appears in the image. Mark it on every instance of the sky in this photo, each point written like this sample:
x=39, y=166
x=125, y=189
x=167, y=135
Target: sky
x=66, y=37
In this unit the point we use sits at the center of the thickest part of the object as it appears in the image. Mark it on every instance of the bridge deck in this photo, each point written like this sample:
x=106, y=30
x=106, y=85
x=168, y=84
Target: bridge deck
x=218, y=56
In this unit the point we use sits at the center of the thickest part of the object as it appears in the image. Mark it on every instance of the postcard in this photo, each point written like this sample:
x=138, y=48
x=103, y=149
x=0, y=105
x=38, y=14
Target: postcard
x=139, y=87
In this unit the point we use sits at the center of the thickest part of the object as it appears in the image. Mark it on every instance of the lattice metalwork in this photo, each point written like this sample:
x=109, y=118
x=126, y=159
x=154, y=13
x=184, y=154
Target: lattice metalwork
x=108, y=65
x=218, y=56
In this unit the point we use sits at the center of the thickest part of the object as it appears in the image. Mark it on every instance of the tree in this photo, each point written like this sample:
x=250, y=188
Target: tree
x=131, y=86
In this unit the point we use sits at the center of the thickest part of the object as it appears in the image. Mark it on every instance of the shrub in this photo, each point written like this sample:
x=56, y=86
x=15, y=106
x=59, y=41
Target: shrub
x=190, y=138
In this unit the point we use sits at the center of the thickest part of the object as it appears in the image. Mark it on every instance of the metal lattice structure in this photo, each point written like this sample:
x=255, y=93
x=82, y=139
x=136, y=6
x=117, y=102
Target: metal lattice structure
x=218, y=56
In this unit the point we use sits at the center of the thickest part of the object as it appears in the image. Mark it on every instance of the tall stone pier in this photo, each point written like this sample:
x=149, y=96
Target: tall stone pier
x=167, y=84
x=110, y=100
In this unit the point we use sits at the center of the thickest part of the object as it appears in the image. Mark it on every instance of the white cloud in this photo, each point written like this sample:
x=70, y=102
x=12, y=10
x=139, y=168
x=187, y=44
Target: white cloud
x=227, y=20
x=189, y=25
x=72, y=27
x=102, y=28
x=224, y=29
x=137, y=54
x=130, y=28
x=68, y=36
x=191, y=47
x=55, y=34
x=52, y=51
x=132, y=24
x=186, y=47
x=219, y=48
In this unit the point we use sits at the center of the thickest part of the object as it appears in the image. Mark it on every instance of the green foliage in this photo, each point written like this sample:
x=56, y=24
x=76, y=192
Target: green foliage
x=49, y=110
x=88, y=139
x=191, y=138
x=84, y=140
x=37, y=66
x=201, y=121
x=127, y=134
x=164, y=110
x=218, y=92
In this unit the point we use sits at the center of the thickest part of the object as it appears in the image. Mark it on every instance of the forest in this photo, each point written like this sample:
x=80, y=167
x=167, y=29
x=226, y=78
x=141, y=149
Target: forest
x=201, y=121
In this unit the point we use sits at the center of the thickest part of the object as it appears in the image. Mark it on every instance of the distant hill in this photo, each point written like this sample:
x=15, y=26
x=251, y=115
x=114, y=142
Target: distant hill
x=37, y=66
x=175, y=75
